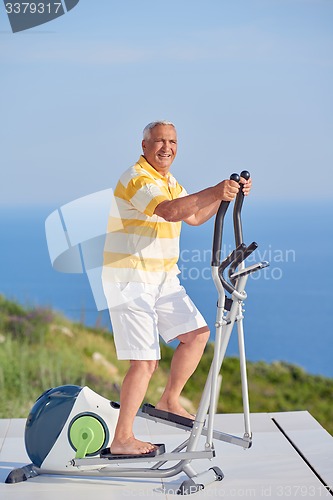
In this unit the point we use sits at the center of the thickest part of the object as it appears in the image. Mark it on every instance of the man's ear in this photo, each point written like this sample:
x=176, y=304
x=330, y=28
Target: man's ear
x=143, y=145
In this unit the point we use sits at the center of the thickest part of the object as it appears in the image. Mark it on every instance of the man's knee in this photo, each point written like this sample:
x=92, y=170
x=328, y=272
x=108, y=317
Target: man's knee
x=200, y=335
x=145, y=366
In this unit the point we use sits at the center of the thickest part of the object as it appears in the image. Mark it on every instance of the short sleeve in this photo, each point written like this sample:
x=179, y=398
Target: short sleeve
x=145, y=195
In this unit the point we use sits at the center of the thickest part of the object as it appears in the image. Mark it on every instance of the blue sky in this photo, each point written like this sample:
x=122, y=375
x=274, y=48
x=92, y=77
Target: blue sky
x=248, y=84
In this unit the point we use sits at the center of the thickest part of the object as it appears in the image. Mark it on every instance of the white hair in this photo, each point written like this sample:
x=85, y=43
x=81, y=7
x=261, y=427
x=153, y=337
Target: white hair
x=148, y=128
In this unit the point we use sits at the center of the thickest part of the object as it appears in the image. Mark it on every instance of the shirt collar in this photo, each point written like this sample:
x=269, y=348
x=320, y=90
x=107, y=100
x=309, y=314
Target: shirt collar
x=152, y=171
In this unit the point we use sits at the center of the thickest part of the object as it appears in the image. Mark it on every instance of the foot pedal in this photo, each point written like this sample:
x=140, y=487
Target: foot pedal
x=167, y=415
x=106, y=453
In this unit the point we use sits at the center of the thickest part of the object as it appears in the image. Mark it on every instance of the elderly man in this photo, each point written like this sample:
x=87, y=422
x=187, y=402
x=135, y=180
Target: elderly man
x=140, y=280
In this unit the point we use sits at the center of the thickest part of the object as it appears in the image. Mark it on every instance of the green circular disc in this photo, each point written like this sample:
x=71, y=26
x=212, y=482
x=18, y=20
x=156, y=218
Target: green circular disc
x=84, y=429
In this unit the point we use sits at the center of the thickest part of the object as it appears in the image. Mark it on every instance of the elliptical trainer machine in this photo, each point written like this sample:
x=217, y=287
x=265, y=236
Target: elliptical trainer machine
x=70, y=428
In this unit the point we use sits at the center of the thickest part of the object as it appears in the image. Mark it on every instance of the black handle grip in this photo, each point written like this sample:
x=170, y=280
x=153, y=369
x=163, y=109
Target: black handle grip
x=234, y=177
x=245, y=174
x=218, y=230
x=237, y=211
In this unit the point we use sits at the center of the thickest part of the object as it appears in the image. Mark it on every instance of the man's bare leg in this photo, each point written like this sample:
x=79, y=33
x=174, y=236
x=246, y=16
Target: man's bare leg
x=184, y=362
x=133, y=390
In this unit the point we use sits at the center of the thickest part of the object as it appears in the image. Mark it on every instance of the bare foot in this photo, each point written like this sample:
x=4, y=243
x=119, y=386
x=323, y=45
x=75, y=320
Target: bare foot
x=177, y=409
x=131, y=446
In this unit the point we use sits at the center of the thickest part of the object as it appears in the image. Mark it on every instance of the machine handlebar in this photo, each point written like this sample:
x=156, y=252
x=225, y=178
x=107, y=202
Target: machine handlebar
x=238, y=208
x=241, y=251
x=219, y=220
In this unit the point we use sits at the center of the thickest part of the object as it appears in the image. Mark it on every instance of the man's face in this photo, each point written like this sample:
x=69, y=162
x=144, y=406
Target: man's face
x=161, y=147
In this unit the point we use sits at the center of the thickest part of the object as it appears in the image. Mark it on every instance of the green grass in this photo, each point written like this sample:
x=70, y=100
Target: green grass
x=40, y=349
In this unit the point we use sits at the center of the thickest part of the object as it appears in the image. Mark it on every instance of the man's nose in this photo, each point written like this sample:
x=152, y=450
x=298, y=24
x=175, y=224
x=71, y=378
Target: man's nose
x=166, y=145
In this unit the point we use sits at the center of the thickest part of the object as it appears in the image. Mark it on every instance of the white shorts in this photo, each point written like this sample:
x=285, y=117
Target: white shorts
x=140, y=312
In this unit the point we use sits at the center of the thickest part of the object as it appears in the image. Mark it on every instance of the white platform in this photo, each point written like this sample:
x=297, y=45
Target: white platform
x=291, y=457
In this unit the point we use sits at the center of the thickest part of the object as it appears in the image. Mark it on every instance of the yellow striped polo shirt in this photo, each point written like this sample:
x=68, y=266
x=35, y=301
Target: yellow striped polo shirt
x=140, y=245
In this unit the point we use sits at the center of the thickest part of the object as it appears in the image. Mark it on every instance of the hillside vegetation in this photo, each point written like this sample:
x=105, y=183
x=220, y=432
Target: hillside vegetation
x=40, y=349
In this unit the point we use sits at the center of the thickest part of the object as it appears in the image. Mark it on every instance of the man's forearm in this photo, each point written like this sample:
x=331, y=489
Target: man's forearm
x=198, y=207
x=203, y=214
x=183, y=208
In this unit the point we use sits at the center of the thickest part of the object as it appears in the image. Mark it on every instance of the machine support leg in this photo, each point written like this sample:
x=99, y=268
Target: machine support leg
x=245, y=390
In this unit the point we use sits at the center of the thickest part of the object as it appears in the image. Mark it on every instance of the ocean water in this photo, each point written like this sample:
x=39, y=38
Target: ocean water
x=288, y=312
